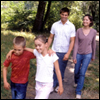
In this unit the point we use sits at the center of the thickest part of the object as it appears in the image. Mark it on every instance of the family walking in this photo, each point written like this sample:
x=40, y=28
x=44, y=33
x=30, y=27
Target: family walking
x=51, y=63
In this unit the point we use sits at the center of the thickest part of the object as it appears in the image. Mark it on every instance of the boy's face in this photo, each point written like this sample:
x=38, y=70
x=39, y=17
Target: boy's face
x=64, y=16
x=18, y=50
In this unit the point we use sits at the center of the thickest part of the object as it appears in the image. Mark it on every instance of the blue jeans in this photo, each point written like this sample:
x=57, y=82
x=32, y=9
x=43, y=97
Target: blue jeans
x=83, y=61
x=18, y=90
x=62, y=65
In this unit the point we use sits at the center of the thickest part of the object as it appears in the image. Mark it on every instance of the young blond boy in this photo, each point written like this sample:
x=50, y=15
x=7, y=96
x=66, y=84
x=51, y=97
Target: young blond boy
x=20, y=60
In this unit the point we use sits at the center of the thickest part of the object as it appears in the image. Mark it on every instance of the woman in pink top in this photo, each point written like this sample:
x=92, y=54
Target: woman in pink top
x=84, y=52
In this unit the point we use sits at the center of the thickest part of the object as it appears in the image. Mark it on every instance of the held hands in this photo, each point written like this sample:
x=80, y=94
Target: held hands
x=60, y=90
x=6, y=85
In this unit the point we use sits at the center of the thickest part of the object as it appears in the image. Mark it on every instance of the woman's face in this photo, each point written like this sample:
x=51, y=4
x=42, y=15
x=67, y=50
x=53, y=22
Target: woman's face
x=86, y=21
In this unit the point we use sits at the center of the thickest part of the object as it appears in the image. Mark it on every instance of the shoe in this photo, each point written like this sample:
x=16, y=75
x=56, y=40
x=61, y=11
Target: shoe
x=56, y=89
x=75, y=85
x=78, y=96
x=52, y=91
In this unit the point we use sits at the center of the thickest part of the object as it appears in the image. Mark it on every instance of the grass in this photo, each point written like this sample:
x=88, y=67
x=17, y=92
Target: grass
x=91, y=84
x=6, y=45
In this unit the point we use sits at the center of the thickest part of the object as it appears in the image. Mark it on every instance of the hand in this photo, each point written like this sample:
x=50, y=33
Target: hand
x=75, y=61
x=50, y=52
x=6, y=85
x=8, y=56
x=66, y=56
x=60, y=90
x=92, y=59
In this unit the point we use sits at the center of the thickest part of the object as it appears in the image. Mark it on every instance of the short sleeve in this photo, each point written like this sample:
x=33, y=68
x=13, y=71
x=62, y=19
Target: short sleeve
x=31, y=55
x=73, y=32
x=35, y=52
x=6, y=63
x=55, y=57
x=52, y=29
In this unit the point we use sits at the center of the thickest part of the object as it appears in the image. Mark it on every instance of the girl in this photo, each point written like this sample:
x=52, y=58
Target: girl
x=45, y=66
x=84, y=52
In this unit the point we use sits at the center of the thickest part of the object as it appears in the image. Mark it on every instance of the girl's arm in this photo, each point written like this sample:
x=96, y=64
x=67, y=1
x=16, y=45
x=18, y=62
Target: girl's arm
x=29, y=49
x=8, y=56
x=58, y=73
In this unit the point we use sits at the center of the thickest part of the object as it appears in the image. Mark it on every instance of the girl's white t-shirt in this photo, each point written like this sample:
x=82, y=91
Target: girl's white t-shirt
x=45, y=66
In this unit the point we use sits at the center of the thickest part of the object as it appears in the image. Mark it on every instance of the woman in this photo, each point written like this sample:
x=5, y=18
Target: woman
x=84, y=52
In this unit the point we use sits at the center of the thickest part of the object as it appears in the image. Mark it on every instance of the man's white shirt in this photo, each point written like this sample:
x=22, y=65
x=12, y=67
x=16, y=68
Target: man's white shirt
x=62, y=34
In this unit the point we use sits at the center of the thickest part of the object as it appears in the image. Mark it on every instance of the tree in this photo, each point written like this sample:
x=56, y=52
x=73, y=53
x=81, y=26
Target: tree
x=39, y=16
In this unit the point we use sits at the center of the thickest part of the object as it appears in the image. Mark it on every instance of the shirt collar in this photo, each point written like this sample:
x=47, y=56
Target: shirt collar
x=66, y=22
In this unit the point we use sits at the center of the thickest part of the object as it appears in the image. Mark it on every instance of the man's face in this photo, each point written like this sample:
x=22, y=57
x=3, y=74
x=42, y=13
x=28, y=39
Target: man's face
x=64, y=16
x=18, y=50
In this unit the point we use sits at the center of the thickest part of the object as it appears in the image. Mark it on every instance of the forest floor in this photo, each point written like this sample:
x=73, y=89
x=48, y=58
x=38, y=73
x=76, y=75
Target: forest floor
x=69, y=90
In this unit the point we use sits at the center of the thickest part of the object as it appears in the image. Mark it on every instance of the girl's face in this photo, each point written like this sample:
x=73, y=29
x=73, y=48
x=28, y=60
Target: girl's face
x=86, y=21
x=40, y=46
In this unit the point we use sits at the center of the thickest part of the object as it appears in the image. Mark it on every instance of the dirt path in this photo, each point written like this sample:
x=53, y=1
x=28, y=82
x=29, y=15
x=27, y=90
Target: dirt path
x=69, y=90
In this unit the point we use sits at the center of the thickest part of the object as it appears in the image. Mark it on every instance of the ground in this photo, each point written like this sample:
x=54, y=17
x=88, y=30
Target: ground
x=69, y=90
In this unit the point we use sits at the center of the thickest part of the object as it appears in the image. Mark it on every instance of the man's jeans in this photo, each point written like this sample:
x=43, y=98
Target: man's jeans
x=18, y=90
x=62, y=65
x=83, y=61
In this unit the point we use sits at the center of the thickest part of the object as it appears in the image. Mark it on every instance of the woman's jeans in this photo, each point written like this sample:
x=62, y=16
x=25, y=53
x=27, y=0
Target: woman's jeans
x=62, y=66
x=83, y=61
x=18, y=90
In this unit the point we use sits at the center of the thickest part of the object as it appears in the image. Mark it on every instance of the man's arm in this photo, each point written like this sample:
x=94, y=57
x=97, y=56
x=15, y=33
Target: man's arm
x=70, y=48
x=50, y=39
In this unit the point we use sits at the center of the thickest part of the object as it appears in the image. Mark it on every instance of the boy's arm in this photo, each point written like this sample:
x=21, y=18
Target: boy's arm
x=6, y=84
x=29, y=49
x=58, y=73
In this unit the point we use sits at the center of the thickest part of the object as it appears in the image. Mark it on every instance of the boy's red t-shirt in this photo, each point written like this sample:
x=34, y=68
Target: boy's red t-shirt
x=20, y=66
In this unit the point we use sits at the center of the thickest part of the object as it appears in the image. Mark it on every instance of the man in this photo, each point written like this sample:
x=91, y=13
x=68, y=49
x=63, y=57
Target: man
x=63, y=36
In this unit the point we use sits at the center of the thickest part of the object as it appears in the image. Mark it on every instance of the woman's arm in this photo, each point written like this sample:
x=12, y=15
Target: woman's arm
x=58, y=73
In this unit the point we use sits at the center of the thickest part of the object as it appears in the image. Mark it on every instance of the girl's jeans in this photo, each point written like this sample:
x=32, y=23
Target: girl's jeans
x=18, y=90
x=62, y=65
x=83, y=61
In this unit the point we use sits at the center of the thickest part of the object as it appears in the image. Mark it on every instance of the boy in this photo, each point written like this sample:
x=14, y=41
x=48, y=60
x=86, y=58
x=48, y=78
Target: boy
x=20, y=60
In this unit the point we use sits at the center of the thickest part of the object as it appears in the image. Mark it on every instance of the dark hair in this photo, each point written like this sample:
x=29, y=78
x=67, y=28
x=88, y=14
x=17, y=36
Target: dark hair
x=19, y=40
x=65, y=9
x=90, y=18
x=43, y=38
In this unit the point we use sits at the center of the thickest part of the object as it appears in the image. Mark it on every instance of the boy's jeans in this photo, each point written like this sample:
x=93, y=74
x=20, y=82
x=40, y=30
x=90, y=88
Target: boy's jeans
x=62, y=65
x=83, y=61
x=18, y=90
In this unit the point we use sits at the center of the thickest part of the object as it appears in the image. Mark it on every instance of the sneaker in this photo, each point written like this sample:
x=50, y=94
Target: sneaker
x=52, y=91
x=56, y=89
x=75, y=85
x=78, y=96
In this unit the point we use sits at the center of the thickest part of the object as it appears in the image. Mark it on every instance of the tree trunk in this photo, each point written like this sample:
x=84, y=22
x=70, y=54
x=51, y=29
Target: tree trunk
x=39, y=17
x=46, y=16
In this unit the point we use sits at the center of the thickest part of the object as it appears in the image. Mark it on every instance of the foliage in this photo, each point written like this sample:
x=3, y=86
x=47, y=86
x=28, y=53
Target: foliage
x=20, y=15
